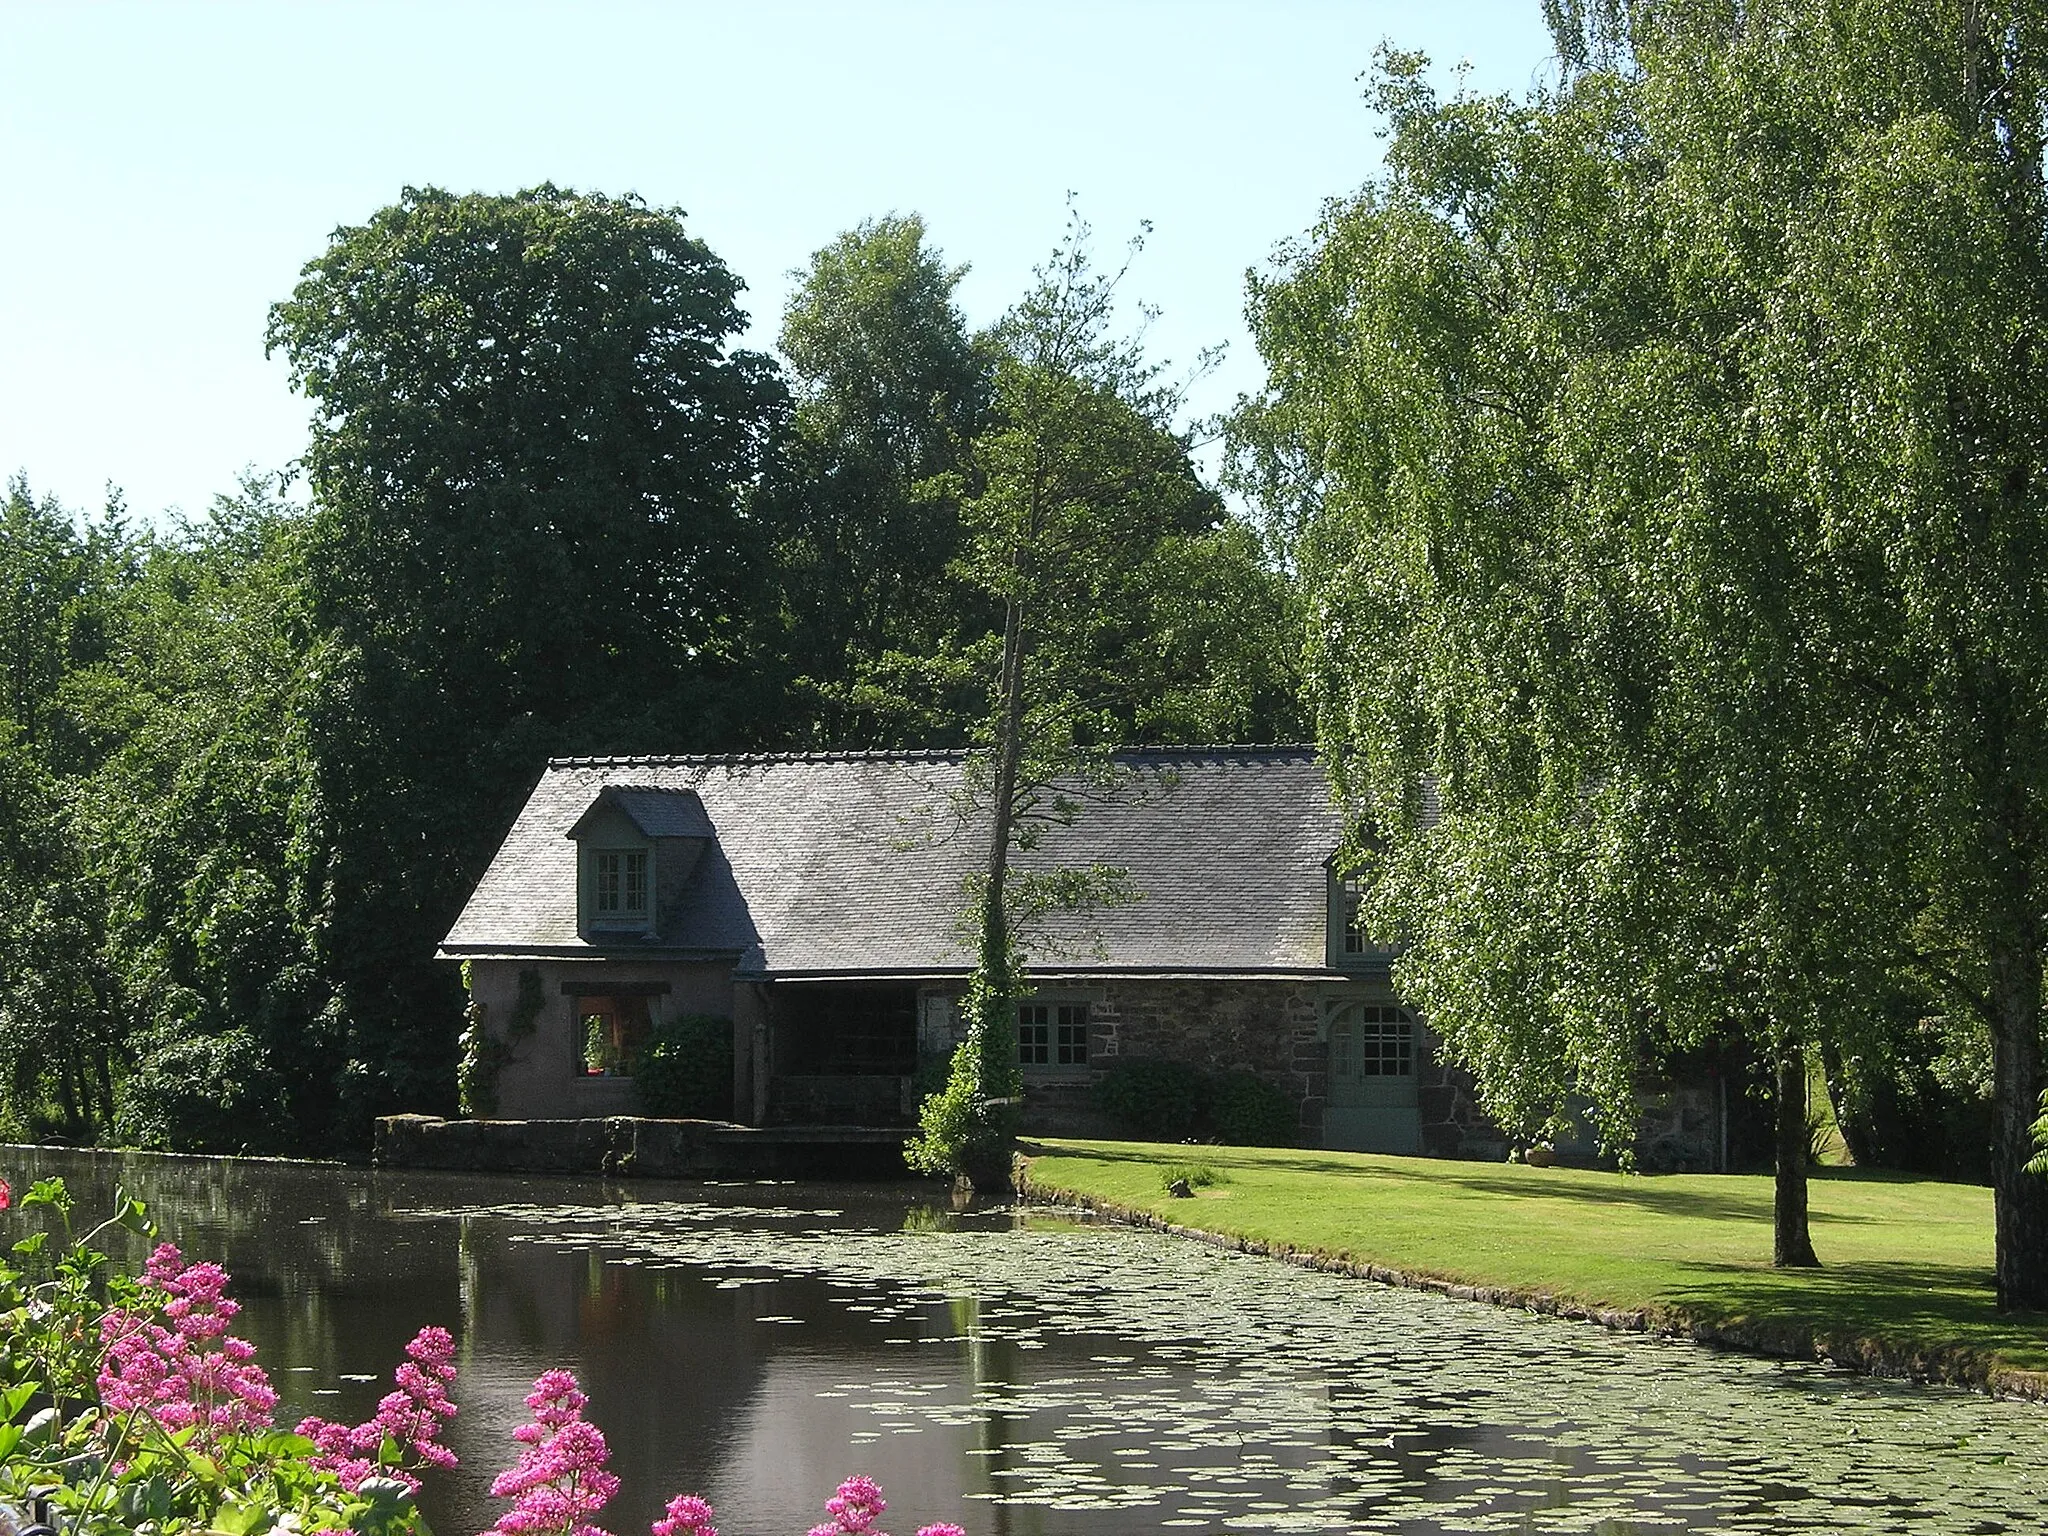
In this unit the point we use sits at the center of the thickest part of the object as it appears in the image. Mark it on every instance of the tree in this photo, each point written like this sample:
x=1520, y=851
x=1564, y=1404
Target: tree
x=58, y=583
x=1868, y=188
x=863, y=503
x=201, y=829
x=1080, y=501
x=1570, y=663
x=61, y=1021
x=530, y=465
x=60, y=1017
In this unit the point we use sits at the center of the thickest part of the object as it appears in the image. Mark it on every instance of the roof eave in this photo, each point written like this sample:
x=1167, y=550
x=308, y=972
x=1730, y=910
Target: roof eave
x=580, y=953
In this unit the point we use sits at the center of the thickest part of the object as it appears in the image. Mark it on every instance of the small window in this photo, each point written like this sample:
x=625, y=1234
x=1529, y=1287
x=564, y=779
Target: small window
x=1351, y=890
x=1052, y=1034
x=618, y=884
x=1372, y=1040
x=1034, y=1036
x=610, y=1033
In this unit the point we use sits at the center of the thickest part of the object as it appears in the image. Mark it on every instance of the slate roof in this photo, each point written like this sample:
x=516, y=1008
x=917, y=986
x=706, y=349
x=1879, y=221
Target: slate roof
x=656, y=811
x=854, y=864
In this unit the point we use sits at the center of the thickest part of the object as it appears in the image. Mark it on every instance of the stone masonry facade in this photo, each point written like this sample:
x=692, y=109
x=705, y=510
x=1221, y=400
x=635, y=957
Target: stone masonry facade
x=1267, y=1028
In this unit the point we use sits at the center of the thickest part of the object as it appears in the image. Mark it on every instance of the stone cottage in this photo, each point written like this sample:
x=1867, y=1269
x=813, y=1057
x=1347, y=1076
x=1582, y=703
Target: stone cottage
x=815, y=901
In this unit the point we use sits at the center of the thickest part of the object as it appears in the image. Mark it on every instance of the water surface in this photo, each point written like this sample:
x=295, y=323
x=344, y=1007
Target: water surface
x=1025, y=1374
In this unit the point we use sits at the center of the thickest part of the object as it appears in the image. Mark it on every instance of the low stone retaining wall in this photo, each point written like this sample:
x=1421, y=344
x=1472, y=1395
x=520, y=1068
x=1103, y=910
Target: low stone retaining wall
x=630, y=1147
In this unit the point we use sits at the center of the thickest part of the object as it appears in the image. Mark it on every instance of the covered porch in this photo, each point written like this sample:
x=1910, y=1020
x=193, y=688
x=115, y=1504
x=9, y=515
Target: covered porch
x=833, y=1052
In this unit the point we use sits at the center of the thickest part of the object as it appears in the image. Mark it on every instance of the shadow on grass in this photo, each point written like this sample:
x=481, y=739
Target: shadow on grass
x=1929, y=1304
x=1644, y=1192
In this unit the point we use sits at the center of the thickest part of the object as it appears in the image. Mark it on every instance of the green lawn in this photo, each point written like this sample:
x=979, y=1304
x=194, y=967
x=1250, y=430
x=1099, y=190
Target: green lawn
x=1906, y=1262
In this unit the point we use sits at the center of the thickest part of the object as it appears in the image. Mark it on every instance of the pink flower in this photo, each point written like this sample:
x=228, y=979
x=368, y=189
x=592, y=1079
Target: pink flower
x=6, y=1195
x=555, y=1401
x=854, y=1509
x=412, y=1417
x=560, y=1477
x=688, y=1515
x=943, y=1528
x=170, y=1372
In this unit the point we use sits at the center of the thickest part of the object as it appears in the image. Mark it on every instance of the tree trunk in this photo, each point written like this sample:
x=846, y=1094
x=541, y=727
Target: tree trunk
x=986, y=1162
x=2020, y=1199
x=995, y=917
x=1791, y=1239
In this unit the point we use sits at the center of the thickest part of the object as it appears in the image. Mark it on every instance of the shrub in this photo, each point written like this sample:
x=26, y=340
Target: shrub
x=1159, y=1100
x=1195, y=1175
x=201, y=1093
x=969, y=1126
x=1153, y=1098
x=1248, y=1111
x=684, y=1071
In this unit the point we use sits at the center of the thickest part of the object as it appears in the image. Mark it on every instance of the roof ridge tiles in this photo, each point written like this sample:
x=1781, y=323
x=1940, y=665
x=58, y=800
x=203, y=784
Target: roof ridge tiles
x=907, y=755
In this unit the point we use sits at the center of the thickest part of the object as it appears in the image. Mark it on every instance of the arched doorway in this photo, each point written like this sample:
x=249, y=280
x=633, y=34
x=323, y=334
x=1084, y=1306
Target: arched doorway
x=1372, y=1105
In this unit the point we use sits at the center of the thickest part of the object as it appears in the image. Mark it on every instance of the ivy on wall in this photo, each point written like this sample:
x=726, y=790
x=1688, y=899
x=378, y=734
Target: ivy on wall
x=484, y=1054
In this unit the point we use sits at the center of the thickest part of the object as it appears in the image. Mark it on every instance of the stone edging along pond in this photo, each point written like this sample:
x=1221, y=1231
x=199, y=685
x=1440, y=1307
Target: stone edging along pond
x=1949, y=1365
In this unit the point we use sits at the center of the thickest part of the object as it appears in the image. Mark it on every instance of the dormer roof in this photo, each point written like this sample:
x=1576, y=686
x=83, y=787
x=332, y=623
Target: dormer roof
x=657, y=810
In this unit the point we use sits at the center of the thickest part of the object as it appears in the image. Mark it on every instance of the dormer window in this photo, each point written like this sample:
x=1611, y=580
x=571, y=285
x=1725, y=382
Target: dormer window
x=1350, y=943
x=619, y=886
x=636, y=847
x=1351, y=892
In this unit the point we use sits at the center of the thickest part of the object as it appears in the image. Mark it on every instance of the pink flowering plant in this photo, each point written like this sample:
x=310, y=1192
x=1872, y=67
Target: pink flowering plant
x=126, y=1401
x=126, y=1404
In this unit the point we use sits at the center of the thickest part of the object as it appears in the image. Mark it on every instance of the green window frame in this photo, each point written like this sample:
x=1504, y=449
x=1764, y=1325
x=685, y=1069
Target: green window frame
x=618, y=883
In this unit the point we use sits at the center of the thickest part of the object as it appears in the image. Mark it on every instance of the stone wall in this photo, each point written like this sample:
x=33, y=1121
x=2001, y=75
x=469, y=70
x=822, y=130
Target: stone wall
x=1453, y=1124
x=1273, y=1029
x=623, y=1146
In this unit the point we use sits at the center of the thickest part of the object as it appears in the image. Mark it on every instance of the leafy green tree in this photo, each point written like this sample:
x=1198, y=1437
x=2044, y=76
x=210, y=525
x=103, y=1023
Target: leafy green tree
x=1570, y=663
x=530, y=464
x=863, y=505
x=59, y=584
x=1867, y=188
x=1082, y=509
x=201, y=826
x=1701, y=396
x=60, y=1015
x=892, y=622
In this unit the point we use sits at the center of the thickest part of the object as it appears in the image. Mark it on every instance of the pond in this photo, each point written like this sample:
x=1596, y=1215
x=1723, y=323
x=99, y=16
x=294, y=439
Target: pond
x=1020, y=1373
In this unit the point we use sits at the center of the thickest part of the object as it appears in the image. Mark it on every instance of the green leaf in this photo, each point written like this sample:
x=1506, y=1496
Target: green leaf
x=282, y=1444
x=383, y=1507
x=50, y=1192
x=134, y=1215
x=243, y=1519
x=16, y=1398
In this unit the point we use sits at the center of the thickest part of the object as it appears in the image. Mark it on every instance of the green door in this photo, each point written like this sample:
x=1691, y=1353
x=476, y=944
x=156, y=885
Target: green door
x=1372, y=1104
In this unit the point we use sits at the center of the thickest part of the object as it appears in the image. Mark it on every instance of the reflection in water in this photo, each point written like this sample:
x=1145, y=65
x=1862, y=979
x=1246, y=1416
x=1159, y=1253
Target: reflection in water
x=758, y=1343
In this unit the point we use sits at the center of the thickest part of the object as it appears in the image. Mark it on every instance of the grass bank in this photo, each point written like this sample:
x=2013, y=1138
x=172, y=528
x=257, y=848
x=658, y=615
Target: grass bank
x=1905, y=1287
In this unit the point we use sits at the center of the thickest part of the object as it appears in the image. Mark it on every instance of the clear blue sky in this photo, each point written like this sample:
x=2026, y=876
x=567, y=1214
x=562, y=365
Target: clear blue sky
x=168, y=168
